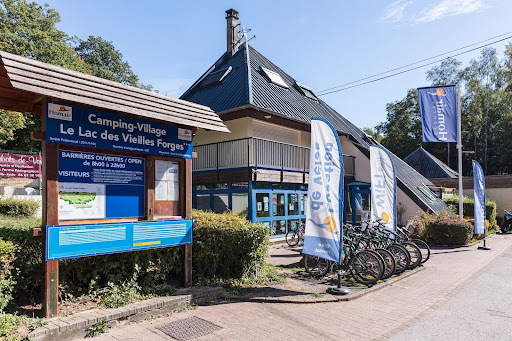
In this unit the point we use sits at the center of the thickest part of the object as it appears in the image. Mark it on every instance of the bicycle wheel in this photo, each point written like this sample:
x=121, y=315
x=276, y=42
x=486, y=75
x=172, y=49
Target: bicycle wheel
x=365, y=267
x=401, y=255
x=292, y=238
x=415, y=253
x=425, y=250
x=389, y=263
x=316, y=266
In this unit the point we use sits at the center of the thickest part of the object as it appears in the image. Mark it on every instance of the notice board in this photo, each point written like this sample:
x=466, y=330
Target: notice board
x=100, y=186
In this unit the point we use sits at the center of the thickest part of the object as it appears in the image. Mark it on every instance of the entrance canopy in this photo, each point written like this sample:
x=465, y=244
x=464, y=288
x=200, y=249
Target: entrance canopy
x=24, y=82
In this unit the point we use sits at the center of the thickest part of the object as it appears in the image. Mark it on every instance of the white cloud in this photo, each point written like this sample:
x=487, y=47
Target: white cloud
x=447, y=8
x=173, y=87
x=395, y=11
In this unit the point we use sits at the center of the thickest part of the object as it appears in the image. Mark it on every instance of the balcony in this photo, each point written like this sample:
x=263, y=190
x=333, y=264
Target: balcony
x=256, y=153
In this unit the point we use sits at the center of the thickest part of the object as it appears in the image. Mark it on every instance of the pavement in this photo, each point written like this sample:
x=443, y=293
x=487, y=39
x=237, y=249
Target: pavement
x=384, y=314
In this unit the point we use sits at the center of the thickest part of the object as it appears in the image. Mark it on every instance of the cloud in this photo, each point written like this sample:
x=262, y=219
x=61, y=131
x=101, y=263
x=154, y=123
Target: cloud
x=414, y=12
x=395, y=11
x=173, y=87
x=447, y=8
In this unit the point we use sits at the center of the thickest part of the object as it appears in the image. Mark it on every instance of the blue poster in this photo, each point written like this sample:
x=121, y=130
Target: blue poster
x=100, y=186
x=479, y=195
x=69, y=124
x=324, y=234
x=438, y=108
x=70, y=241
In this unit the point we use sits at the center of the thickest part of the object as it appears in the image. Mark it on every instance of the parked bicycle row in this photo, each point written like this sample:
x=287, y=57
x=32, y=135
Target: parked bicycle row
x=370, y=253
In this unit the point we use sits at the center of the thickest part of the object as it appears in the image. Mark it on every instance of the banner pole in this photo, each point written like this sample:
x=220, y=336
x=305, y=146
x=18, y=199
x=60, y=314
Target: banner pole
x=459, y=147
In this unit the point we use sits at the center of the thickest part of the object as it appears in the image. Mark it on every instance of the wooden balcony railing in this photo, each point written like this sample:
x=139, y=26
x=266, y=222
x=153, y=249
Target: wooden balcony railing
x=257, y=153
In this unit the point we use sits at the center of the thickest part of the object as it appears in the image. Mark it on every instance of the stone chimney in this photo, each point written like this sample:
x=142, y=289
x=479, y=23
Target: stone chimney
x=232, y=28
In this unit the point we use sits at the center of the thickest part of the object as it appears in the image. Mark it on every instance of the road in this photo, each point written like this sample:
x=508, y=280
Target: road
x=439, y=302
x=481, y=309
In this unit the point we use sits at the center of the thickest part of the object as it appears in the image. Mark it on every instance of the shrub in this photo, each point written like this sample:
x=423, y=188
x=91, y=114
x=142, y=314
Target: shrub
x=14, y=207
x=442, y=228
x=7, y=255
x=468, y=208
x=450, y=231
x=228, y=247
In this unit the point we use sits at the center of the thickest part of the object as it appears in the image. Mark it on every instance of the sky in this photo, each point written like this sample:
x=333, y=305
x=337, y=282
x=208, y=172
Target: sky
x=321, y=44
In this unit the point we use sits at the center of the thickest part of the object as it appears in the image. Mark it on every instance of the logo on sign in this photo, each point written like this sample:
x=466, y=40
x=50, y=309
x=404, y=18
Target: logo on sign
x=60, y=112
x=185, y=134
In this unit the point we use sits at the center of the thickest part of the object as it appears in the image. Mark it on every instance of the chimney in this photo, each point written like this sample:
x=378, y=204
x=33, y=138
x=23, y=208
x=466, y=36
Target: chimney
x=232, y=28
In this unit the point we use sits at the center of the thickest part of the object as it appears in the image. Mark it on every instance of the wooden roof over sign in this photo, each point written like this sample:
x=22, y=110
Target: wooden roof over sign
x=23, y=83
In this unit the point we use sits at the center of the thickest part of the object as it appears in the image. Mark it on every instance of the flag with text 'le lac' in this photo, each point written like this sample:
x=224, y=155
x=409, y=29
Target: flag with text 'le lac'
x=383, y=187
x=438, y=108
x=479, y=195
x=323, y=237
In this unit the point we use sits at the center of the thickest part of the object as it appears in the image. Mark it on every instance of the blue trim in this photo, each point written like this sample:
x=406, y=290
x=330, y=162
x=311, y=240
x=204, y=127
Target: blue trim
x=341, y=185
x=394, y=182
x=437, y=87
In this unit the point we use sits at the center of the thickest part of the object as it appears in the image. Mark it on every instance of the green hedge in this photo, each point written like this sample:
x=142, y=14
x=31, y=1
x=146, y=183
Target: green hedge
x=225, y=246
x=450, y=231
x=7, y=283
x=15, y=207
x=468, y=209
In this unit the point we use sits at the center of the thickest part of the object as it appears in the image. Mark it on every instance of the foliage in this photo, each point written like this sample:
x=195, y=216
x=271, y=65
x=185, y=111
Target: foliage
x=468, y=208
x=10, y=121
x=442, y=228
x=8, y=323
x=105, y=61
x=98, y=329
x=15, y=207
x=227, y=246
x=373, y=133
x=115, y=296
x=486, y=102
x=7, y=283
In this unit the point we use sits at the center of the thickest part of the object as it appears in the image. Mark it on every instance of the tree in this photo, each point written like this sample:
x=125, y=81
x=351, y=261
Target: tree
x=105, y=61
x=373, y=133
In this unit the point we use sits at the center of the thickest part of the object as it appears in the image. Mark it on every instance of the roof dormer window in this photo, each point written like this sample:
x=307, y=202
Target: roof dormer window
x=306, y=91
x=216, y=77
x=274, y=77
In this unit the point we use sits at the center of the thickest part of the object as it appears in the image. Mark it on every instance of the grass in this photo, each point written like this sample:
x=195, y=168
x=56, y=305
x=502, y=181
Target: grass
x=316, y=294
x=98, y=329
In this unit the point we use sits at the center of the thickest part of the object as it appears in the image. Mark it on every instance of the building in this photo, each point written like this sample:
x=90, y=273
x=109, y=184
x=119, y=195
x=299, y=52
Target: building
x=262, y=166
x=428, y=165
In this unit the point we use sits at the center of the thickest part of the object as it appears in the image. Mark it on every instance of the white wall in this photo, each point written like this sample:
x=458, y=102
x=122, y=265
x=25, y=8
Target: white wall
x=240, y=128
x=502, y=196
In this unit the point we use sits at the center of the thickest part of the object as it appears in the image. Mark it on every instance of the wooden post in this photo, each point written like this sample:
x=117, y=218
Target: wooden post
x=50, y=151
x=187, y=249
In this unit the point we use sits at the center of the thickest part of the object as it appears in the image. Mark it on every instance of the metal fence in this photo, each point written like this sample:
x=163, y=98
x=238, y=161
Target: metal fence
x=18, y=185
x=255, y=152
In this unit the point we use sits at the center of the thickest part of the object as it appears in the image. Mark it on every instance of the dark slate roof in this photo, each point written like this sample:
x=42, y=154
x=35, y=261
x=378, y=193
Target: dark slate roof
x=246, y=85
x=428, y=165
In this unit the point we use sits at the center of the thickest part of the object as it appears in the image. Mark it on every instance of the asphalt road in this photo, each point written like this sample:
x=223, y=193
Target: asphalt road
x=480, y=309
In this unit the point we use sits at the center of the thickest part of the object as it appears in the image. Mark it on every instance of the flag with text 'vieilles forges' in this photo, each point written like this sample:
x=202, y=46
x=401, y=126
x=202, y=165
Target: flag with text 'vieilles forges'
x=479, y=195
x=323, y=236
x=438, y=108
x=383, y=187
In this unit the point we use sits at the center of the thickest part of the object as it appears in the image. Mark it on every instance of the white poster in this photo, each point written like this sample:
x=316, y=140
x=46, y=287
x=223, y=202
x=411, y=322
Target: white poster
x=383, y=187
x=173, y=191
x=79, y=201
x=161, y=168
x=167, y=186
x=160, y=190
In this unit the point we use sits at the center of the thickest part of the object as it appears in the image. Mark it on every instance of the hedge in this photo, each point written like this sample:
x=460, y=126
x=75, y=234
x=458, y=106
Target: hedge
x=450, y=231
x=468, y=208
x=15, y=207
x=225, y=246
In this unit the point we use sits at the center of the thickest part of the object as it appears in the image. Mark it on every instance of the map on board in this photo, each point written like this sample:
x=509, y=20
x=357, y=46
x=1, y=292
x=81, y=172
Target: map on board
x=81, y=201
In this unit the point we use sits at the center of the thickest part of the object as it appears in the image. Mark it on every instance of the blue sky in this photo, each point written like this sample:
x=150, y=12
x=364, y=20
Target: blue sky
x=321, y=44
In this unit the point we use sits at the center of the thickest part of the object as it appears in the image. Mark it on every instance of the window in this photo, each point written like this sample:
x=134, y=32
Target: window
x=427, y=192
x=216, y=77
x=306, y=91
x=274, y=77
x=262, y=205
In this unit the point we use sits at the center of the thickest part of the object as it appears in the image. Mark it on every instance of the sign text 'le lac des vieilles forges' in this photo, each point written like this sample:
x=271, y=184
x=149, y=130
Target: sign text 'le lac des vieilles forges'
x=86, y=127
x=104, y=186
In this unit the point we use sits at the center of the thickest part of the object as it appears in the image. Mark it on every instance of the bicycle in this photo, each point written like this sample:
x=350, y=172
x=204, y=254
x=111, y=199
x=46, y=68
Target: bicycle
x=296, y=236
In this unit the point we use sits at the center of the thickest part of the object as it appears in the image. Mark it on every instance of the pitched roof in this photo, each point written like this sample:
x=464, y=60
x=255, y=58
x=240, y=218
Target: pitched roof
x=247, y=85
x=428, y=165
x=22, y=78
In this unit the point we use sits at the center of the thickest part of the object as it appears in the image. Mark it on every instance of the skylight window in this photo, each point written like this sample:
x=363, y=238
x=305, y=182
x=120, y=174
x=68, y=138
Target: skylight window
x=274, y=77
x=307, y=91
x=216, y=77
x=428, y=193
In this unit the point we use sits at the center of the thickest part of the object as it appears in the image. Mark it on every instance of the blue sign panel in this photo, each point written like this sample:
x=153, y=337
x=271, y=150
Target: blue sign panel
x=479, y=195
x=100, y=186
x=71, y=241
x=438, y=108
x=69, y=124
